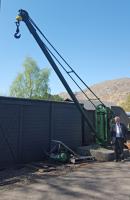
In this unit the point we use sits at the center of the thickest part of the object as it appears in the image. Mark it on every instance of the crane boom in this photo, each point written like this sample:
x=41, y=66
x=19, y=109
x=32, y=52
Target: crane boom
x=24, y=16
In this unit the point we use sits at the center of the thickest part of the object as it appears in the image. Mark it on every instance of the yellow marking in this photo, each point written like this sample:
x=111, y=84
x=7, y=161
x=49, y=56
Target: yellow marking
x=19, y=18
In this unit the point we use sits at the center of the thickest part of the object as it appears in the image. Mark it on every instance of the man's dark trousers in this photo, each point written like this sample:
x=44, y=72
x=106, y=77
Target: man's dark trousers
x=118, y=148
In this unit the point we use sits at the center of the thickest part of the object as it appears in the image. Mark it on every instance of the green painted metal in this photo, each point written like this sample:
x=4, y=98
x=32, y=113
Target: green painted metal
x=63, y=157
x=103, y=122
x=60, y=157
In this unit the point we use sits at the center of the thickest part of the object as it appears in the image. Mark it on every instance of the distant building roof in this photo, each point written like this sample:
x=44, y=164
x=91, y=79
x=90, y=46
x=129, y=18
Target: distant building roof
x=89, y=106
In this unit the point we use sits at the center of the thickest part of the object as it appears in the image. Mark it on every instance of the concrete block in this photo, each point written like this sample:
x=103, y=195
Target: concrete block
x=100, y=154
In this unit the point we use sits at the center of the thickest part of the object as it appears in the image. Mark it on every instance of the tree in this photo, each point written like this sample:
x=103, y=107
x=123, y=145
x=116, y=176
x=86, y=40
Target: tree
x=32, y=83
x=55, y=97
x=126, y=104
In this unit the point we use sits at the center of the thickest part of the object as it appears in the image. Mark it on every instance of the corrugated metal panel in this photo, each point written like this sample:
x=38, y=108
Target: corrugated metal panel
x=9, y=133
x=66, y=124
x=87, y=132
x=35, y=131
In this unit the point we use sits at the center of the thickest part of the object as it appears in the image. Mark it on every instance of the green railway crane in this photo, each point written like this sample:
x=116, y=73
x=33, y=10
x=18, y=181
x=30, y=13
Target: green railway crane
x=102, y=113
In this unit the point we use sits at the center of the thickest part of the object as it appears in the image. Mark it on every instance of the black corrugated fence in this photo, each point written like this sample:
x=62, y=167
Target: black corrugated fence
x=28, y=126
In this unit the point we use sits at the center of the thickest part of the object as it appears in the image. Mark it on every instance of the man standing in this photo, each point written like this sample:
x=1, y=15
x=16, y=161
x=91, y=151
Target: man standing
x=119, y=136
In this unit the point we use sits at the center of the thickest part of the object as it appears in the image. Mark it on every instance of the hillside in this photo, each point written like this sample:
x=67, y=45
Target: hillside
x=114, y=91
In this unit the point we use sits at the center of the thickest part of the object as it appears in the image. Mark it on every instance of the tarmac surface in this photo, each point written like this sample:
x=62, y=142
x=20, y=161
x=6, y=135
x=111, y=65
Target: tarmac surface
x=92, y=181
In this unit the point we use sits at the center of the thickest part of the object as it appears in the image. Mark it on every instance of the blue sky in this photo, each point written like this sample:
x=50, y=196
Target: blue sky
x=92, y=35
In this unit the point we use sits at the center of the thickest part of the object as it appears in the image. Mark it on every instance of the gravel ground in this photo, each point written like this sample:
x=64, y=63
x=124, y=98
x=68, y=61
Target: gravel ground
x=26, y=174
x=92, y=181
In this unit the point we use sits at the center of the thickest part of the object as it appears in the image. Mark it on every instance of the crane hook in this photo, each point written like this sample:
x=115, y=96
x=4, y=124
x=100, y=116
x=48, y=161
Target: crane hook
x=17, y=35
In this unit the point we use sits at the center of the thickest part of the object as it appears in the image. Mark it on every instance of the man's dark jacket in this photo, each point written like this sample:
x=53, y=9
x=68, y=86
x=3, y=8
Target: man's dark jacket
x=124, y=132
